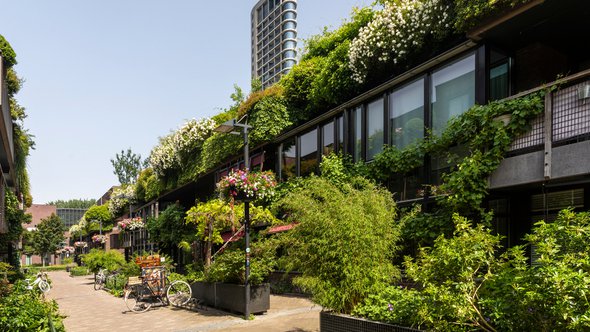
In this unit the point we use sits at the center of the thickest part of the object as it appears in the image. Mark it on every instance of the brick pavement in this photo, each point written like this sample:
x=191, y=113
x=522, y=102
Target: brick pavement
x=98, y=311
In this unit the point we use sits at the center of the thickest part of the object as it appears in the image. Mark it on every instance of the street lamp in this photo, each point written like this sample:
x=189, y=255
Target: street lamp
x=228, y=127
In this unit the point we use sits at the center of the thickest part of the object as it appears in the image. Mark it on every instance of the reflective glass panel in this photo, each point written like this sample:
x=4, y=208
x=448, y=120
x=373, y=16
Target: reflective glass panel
x=374, y=128
x=340, y=124
x=328, y=138
x=406, y=108
x=288, y=160
x=308, y=160
x=358, y=132
x=453, y=91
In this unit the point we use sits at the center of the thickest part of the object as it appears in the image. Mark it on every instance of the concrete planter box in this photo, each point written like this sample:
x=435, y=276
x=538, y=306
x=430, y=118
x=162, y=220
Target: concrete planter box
x=330, y=322
x=230, y=297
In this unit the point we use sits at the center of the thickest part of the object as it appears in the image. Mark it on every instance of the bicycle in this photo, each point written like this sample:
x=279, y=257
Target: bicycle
x=99, y=279
x=40, y=282
x=153, y=287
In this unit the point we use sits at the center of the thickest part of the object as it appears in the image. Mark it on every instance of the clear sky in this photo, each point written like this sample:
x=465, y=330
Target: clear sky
x=103, y=76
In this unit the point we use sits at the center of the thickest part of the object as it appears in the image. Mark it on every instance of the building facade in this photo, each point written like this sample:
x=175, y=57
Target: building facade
x=518, y=53
x=274, y=39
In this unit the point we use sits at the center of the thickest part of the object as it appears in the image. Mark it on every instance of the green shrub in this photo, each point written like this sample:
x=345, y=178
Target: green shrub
x=79, y=271
x=97, y=259
x=343, y=243
x=25, y=310
x=229, y=267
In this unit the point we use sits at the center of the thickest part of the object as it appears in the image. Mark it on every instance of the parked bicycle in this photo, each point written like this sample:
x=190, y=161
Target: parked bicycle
x=100, y=279
x=41, y=282
x=154, y=287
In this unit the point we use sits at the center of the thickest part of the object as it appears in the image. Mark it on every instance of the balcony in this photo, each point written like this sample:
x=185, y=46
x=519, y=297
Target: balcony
x=557, y=148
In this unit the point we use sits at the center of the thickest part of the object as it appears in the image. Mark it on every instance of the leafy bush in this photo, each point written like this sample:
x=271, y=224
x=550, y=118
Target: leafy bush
x=79, y=271
x=229, y=267
x=343, y=243
x=97, y=259
x=25, y=310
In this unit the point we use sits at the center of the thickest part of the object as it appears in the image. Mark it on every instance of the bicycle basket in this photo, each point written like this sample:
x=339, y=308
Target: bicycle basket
x=133, y=281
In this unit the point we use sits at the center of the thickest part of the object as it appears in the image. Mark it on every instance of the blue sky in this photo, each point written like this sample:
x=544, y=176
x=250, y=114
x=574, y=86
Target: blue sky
x=103, y=76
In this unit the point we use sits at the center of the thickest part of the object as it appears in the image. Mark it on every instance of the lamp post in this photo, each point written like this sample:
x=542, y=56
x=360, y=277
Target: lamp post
x=229, y=127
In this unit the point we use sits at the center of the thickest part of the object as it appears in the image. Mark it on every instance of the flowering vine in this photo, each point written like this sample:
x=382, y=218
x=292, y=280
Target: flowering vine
x=400, y=28
x=121, y=197
x=191, y=135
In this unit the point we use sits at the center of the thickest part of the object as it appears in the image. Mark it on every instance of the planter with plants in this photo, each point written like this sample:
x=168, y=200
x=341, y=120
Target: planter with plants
x=223, y=283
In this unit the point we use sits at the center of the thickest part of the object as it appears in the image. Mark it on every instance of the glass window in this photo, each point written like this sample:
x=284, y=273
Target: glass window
x=289, y=44
x=309, y=158
x=289, y=5
x=289, y=16
x=453, y=91
x=290, y=54
x=289, y=25
x=288, y=160
x=328, y=138
x=499, y=81
x=340, y=124
x=358, y=132
x=289, y=35
x=374, y=128
x=406, y=108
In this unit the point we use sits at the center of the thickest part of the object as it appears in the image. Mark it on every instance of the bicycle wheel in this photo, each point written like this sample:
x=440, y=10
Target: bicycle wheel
x=135, y=301
x=44, y=286
x=179, y=293
x=98, y=281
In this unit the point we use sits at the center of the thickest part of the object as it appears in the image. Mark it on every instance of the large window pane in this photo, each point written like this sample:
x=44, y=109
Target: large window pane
x=309, y=149
x=374, y=128
x=406, y=108
x=453, y=91
x=288, y=160
x=328, y=138
x=340, y=124
x=358, y=132
x=499, y=87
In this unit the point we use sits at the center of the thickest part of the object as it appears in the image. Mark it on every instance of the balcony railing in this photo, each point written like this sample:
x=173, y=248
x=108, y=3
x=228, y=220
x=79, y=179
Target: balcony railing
x=566, y=118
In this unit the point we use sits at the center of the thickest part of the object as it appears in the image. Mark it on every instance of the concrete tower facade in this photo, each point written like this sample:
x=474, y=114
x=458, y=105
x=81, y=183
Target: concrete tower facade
x=274, y=39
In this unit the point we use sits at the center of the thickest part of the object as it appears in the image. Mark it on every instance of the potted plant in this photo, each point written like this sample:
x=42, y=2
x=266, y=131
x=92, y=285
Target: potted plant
x=246, y=185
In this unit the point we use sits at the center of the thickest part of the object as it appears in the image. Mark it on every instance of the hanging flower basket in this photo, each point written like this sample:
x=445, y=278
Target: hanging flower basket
x=243, y=185
x=99, y=239
x=80, y=244
x=130, y=224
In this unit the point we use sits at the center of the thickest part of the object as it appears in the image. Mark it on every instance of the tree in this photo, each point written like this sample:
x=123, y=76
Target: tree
x=127, y=166
x=73, y=203
x=99, y=214
x=48, y=236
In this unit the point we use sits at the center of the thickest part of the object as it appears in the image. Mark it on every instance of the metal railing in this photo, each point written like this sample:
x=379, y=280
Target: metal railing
x=566, y=116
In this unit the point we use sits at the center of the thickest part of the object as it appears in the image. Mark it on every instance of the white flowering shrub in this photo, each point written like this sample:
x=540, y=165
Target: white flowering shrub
x=168, y=154
x=121, y=197
x=400, y=28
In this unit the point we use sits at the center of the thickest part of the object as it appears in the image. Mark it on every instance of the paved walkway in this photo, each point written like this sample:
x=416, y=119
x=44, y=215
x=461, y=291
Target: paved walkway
x=98, y=311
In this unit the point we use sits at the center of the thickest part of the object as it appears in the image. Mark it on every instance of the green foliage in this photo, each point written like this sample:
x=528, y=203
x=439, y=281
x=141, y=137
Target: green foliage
x=96, y=259
x=343, y=243
x=229, y=267
x=551, y=294
x=73, y=203
x=13, y=86
x=471, y=12
x=97, y=214
x=323, y=79
x=420, y=229
x=487, y=141
x=79, y=271
x=169, y=227
x=148, y=186
x=48, y=236
x=217, y=149
x=25, y=310
x=15, y=218
x=7, y=53
x=126, y=166
x=269, y=118
x=450, y=275
x=342, y=172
